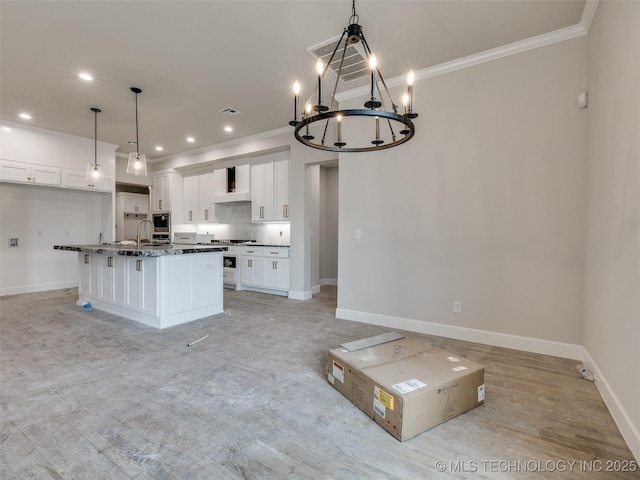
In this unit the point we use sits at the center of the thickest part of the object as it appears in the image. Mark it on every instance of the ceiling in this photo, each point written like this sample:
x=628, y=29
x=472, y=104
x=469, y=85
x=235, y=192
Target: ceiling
x=193, y=58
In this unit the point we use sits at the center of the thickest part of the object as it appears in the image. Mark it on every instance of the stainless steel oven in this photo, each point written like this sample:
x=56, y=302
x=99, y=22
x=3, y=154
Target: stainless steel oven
x=229, y=271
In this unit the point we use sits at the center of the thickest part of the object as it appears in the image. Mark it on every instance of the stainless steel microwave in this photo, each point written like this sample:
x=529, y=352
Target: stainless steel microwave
x=161, y=222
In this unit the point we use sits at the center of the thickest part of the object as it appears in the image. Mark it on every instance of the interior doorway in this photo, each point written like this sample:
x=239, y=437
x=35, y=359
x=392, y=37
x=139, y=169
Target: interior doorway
x=322, y=188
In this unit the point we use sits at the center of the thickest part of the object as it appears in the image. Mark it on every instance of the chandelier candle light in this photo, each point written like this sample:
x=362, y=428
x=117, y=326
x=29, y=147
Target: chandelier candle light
x=374, y=107
x=95, y=174
x=137, y=161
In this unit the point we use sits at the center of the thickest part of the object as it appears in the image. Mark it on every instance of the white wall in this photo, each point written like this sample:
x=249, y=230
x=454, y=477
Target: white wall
x=486, y=205
x=40, y=218
x=612, y=286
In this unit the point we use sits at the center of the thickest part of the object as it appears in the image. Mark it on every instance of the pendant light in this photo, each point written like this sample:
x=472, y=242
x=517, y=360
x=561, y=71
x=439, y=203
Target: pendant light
x=137, y=161
x=95, y=173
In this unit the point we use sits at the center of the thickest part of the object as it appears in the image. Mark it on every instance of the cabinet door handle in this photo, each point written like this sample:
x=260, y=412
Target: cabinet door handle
x=109, y=261
x=190, y=215
x=287, y=207
x=139, y=265
x=274, y=265
x=262, y=212
x=159, y=204
x=206, y=214
x=250, y=263
x=86, y=258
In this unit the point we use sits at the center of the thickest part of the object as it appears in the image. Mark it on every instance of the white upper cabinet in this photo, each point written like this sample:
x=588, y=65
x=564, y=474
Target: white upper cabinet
x=22, y=172
x=198, y=198
x=270, y=191
x=136, y=203
x=78, y=179
x=167, y=195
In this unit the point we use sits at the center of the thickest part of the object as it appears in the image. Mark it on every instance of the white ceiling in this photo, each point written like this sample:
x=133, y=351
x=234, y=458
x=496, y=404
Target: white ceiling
x=194, y=58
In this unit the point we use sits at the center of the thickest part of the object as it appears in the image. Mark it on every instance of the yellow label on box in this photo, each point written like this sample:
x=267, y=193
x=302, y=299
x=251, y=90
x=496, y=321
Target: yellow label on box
x=384, y=398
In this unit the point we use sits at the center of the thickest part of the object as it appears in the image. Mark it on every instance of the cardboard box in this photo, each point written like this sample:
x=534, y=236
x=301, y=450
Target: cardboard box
x=405, y=385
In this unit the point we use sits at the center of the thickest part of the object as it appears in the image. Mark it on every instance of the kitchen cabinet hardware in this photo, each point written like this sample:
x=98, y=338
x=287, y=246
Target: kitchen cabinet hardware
x=86, y=257
x=110, y=262
x=139, y=265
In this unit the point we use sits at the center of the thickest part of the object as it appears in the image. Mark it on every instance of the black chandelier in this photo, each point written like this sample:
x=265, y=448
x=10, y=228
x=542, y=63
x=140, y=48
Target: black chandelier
x=388, y=127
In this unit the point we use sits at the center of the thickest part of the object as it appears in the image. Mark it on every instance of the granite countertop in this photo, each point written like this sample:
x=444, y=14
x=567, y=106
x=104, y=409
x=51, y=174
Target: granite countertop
x=142, y=251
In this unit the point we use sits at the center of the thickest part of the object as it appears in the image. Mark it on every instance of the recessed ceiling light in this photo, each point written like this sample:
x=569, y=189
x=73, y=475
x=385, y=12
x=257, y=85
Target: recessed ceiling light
x=159, y=148
x=228, y=129
x=26, y=116
x=85, y=76
x=191, y=139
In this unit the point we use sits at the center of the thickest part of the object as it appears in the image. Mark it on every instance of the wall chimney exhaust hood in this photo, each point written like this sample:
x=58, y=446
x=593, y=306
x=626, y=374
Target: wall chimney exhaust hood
x=232, y=197
x=232, y=184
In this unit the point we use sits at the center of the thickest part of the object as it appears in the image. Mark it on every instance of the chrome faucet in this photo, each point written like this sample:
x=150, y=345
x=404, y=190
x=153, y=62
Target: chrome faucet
x=138, y=230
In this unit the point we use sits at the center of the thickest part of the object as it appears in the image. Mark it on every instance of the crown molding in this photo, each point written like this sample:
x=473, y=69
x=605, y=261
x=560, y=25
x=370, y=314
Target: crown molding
x=503, y=51
x=588, y=13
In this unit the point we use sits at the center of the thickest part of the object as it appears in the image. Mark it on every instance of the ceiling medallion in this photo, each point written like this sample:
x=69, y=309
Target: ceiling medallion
x=385, y=128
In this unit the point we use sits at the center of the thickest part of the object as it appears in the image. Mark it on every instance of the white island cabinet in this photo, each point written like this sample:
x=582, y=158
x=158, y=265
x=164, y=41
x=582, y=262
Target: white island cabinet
x=157, y=286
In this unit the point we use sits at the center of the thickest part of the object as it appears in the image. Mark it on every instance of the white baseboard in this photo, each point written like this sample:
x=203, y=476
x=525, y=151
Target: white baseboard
x=37, y=288
x=535, y=345
x=306, y=295
x=329, y=281
x=315, y=289
x=628, y=430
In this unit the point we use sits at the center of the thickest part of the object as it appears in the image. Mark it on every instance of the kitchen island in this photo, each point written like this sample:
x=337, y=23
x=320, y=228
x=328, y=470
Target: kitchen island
x=157, y=285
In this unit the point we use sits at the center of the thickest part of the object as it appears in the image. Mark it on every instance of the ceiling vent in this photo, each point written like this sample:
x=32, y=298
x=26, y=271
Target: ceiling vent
x=230, y=111
x=355, y=65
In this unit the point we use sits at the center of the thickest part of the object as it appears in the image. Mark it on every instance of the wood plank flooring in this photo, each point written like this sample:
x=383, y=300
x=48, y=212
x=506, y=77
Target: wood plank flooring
x=88, y=395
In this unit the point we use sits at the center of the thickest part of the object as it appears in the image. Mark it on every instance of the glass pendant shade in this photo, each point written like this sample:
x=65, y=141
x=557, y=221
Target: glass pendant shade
x=137, y=161
x=137, y=164
x=95, y=174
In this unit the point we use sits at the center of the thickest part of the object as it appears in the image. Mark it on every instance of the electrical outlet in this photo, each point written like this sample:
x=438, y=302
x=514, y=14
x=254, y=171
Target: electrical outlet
x=13, y=242
x=358, y=234
x=457, y=307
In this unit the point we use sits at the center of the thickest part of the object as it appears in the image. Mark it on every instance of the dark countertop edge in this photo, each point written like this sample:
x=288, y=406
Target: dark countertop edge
x=264, y=245
x=140, y=252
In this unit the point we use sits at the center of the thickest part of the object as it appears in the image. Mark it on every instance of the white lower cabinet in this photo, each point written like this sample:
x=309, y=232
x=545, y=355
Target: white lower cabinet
x=113, y=278
x=264, y=269
x=251, y=269
x=142, y=284
x=276, y=273
x=158, y=291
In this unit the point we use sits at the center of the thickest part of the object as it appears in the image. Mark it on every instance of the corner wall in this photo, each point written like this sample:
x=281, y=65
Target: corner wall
x=612, y=280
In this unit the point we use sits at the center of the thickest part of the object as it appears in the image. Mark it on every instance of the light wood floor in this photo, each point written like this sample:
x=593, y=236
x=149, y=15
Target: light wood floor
x=88, y=395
